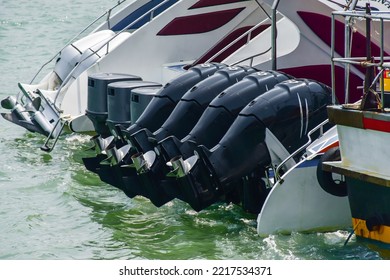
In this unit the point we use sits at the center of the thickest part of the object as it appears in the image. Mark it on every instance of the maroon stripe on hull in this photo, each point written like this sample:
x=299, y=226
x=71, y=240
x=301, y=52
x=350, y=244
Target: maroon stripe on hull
x=378, y=125
x=321, y=26
x=322, y=73
x=227, y=40
x=209, y=3
x=201, y=23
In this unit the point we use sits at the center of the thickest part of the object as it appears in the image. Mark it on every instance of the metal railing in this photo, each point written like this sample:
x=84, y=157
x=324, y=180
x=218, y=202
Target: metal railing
x=247, y=35
x=45, y=147
x=378, y=62
x=108, y=13
x=315, y=129
x=94, y=52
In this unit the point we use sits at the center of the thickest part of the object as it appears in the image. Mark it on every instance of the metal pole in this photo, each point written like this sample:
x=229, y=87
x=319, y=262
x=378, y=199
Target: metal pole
x=332, y=60
x=347, y=52
x=381, y=62
x=369, y=72
x=274, y=35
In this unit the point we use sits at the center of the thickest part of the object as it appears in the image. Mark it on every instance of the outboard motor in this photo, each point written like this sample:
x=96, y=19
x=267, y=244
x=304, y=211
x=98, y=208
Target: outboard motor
x=153, y=116
x=220, y=114
x=182, y=119
x=210, y=128
x=278, y=119
x=97, y=110
x=166, y=100
x=35, y=111
x=190, y=108
x=140, y=99
x=119, y=102
x=27, y=115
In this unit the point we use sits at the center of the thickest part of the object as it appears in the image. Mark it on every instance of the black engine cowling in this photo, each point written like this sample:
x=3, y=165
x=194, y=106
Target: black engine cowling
x=190, y=108
x=288, y=112
x=157, y=110
x=221, y=113
x=162, y=105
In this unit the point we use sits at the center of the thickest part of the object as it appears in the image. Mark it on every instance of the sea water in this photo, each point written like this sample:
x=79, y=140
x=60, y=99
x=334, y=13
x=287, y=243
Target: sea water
x=51, y=207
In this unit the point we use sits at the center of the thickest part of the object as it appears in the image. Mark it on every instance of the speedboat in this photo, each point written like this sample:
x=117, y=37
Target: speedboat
x=260, y=151
x=140, y=162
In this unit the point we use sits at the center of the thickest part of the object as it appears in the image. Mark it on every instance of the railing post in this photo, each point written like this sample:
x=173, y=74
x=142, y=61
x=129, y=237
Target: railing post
x=332, y=57
x=274, y=35
x=381, y=63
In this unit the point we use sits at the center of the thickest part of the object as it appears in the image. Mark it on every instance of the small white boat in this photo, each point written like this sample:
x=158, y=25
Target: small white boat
x=300, y=200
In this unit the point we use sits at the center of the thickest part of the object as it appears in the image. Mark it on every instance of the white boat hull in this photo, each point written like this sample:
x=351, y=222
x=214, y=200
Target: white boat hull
x=297, y=203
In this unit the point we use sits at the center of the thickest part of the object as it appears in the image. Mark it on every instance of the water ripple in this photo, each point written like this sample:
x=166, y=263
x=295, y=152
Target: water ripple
x=51, y=207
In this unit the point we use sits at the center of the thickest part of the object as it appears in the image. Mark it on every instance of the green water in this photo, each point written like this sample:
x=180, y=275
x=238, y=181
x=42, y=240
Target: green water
x=51, y=207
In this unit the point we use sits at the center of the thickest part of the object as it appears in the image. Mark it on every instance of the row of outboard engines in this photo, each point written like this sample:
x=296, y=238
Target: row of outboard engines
x=210, y=135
